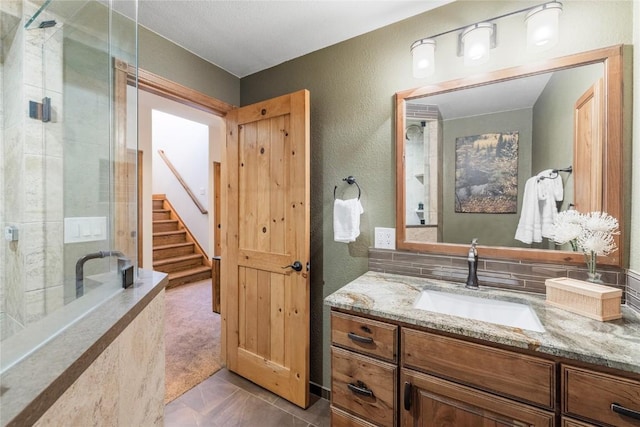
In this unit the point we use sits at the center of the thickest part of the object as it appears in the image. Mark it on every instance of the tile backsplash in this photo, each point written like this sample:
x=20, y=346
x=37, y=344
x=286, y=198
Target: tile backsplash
x=500, y=273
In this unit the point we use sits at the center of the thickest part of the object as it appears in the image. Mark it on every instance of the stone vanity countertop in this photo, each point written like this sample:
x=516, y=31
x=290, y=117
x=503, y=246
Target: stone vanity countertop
x=31, y=384
x=614, y=344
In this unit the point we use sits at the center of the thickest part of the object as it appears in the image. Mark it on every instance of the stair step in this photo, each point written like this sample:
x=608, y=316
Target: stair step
x=169, y=237
x=172, y=250
x=160, y=225
x=171, y=265
x=160, y=214
x=158, y=204
x=188, y=276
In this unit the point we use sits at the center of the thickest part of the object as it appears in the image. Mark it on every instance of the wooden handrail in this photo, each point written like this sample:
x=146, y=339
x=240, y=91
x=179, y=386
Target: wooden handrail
x=203, y=210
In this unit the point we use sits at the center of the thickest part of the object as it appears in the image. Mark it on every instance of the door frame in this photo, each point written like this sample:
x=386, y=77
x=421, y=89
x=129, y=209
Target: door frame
x=158, y=85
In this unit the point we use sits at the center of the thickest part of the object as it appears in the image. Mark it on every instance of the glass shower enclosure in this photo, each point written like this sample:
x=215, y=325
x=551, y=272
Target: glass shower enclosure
x=68, y=169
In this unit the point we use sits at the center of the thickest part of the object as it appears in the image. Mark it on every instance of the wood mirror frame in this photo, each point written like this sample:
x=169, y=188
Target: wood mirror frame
x=611, y=163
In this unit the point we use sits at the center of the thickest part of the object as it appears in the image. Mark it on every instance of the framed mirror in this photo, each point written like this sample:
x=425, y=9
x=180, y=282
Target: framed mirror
x=466, y=150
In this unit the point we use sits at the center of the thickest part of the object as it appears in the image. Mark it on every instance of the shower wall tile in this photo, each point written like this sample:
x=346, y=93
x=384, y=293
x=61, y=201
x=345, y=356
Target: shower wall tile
x=41, y=302
x=53, y=130
x=524, y=276
x=43, y=255
x=633, y=289
x=33, y=68
x=8, y=326
x=13, y=179
x=33, y=136
x=35, y=308
x=14, y=291
x=43, y=189
x=53, y=61
x=12, y=87
x=34, y=195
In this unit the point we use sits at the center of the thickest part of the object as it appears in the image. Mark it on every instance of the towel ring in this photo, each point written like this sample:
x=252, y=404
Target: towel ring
x=350, y=180
x=555, y=171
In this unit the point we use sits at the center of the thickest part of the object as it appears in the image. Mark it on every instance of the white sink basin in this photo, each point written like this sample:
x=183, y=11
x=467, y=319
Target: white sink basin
x=486, y=310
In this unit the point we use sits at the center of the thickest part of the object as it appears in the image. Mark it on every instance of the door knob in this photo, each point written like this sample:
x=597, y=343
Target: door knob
x=297, y=266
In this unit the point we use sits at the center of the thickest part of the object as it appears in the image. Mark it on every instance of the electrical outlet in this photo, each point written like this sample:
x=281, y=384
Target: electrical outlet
x=385, y=238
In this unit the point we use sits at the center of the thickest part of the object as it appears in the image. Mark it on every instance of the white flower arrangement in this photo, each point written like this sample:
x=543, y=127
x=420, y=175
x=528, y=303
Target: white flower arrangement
x=592, y=233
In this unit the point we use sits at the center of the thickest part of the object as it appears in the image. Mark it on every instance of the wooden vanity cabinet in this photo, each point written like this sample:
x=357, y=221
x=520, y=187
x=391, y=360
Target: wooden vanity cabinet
x=436, y=380
x=364, y=371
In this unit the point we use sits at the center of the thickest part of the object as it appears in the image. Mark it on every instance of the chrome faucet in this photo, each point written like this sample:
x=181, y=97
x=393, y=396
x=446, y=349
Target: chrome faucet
x=472, y=260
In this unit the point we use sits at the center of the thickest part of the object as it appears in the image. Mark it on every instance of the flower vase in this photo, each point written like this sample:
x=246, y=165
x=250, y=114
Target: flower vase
x=593, y=275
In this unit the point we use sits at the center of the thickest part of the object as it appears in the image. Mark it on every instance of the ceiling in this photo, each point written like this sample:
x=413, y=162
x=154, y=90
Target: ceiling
x=509, y=95
x=244, y=37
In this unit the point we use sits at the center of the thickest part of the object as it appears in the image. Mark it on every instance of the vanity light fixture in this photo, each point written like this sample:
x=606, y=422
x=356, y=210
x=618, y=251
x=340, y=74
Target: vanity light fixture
x=423, y=52
x=476, y=40
x=542, y=26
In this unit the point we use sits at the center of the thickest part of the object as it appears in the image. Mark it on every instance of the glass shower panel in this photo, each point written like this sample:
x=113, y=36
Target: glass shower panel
x=68, y=181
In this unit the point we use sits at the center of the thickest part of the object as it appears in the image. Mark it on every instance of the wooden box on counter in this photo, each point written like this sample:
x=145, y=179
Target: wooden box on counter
x=595, y=301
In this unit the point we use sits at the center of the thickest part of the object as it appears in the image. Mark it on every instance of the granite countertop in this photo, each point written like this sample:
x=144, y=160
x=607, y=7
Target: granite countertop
x=614, y=344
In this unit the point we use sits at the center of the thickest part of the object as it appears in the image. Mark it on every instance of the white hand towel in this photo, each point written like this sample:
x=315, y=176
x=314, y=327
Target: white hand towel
x=550, y=191
x=529, y=227
x=346, y=220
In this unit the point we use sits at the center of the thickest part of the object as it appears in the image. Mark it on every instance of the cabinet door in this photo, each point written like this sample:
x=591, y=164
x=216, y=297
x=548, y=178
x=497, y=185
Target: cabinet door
x=428, y=401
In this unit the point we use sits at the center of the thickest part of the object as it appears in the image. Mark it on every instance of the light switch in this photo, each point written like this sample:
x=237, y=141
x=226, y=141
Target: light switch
x=85, y=229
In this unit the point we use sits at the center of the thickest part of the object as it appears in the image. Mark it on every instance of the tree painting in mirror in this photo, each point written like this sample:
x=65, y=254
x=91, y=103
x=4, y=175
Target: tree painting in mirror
x=486, y=175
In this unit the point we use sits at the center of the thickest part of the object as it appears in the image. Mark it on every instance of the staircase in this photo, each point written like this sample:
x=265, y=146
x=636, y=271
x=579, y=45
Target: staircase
x=175, y=251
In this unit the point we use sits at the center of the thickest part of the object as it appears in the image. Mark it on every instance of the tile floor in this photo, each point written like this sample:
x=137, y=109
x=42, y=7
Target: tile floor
x=226, y=399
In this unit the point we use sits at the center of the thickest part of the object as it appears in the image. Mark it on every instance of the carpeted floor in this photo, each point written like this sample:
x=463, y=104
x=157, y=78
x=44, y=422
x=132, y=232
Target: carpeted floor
x=192, y=338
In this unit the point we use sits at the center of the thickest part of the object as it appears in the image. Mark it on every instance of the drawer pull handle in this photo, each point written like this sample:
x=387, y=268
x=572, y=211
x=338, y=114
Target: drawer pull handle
x=407, y=396
x=619, y=409
x=360, y=388
x=360, y=338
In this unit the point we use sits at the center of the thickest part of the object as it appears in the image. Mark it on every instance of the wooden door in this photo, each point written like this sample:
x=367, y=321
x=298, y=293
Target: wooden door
x=588, y=149
x=265, y=302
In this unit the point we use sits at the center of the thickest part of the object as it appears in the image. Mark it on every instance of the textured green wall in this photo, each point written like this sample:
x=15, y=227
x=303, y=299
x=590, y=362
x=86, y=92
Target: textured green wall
x=161, y=57
x=352, y=86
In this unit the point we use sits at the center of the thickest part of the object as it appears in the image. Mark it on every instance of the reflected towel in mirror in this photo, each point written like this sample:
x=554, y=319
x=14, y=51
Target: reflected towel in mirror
x=346, y=220
x=539, y=208
x=550, y=191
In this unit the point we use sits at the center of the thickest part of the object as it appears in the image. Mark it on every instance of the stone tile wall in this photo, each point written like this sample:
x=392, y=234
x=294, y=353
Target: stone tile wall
x=633, y=289
x=124, y=386
x=517, y=275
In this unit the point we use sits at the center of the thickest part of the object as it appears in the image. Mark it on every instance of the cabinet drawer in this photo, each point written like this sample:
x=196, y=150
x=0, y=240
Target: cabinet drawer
x=525, y=378
x=589, y=394
x=342, y=419
x=363, y=386
x=568, y=422
x=366, y=336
